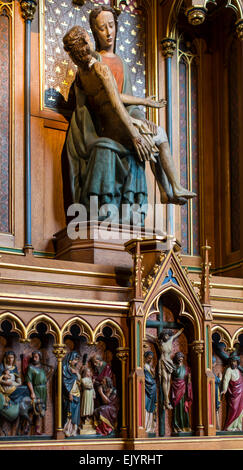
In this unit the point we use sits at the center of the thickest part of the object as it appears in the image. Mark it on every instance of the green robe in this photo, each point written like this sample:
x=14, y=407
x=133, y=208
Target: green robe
x=99, y=166
x=37, y=377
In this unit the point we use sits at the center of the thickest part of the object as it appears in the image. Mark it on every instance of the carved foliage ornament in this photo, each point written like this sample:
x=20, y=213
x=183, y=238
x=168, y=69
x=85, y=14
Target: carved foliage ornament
x=196, y=15
x=168, y=47
x=28, y=8
x=239, y=29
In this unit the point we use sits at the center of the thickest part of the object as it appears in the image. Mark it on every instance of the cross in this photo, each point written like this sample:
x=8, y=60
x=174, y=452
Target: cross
x=159, y=324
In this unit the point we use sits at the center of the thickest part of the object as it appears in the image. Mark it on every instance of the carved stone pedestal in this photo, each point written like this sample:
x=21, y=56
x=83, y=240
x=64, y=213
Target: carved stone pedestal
x=88, y=429
x=96, y=243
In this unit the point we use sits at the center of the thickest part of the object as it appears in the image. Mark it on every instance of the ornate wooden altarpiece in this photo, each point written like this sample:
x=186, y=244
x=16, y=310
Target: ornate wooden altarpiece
x=61, y=305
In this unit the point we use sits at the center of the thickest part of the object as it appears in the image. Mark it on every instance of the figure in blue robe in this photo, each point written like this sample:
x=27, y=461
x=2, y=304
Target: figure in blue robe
x=71, y=394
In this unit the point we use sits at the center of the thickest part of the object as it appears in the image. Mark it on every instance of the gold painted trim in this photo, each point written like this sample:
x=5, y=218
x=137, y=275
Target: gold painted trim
x=171, y=24
x=57, y=311
x=10, y=11
x=56, y=270
x=18, y=298
x=226, y=299
x=221, y=286
x=60, y=285
x=228, y=313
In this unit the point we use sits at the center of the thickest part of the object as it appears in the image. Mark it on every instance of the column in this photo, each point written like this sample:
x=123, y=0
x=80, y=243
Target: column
x=123, y=355
x=60, y=351
x=209, y=409
x=168, y=48
x=28, y=8
x=198, y=348
x=136, y=380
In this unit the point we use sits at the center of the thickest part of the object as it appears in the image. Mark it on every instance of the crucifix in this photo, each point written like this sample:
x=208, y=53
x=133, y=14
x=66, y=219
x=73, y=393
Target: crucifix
x=164, y=344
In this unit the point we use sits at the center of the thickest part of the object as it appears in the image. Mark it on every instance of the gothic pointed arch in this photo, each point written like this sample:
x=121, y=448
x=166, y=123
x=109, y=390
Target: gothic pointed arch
x=116, y=331
x=52, y=327
x=17, y=324
x=170, y=278
x=85, y=329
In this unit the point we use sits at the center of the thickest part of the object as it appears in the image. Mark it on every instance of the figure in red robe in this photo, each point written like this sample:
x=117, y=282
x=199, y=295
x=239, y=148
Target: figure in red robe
x=181, y=394
x=101, y=370
x=232, y=388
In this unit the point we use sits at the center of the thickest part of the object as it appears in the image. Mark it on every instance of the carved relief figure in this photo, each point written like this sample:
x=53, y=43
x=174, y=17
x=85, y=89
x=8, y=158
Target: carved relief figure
x=105, y=152
x=36, y=380
x=9, y=377
x=166, y=366
x=101, y=370
x=181, y=394
x=71, y=394
x=218, y=379
x=232, y=388
x=105, y=416
x=8, y=384
x=88, y=394
x=150, y=392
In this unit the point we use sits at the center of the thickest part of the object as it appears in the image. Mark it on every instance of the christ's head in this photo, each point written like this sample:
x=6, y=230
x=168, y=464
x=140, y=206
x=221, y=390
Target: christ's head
x=78, y=45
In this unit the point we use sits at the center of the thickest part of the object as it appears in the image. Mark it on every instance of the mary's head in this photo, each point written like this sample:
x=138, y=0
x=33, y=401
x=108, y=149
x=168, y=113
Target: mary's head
x=104, y=24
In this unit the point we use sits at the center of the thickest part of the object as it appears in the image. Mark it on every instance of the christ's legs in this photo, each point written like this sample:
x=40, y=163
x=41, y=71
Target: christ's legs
x=168, y=165
x=166, y=174
x=166, y=389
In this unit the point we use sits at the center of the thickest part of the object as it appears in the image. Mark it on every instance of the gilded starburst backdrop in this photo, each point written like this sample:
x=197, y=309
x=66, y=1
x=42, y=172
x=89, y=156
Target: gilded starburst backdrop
x=60, y=16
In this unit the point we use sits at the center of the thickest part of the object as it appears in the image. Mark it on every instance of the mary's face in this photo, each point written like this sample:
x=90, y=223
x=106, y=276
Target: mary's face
x=10, y=359
x=106, y=31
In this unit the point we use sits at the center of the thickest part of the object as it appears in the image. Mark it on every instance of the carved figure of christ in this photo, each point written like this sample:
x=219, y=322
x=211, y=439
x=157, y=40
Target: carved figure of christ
x=100, y=87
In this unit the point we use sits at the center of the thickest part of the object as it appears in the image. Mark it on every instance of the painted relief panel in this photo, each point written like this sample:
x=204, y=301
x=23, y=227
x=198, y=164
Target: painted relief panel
x=27, y=382
x=228, y=370
x=91, y=386
x=168, y=373
x=91, y=383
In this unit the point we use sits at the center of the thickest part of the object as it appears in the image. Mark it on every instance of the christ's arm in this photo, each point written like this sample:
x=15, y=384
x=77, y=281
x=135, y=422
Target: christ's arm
x=151, y=338
x=103, y=72
x=177, y=334
x=149, y=101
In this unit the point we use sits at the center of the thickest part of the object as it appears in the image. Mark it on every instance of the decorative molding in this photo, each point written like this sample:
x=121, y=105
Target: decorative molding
x=6, y=7
x=196, y=15
x=60, y=351
x=122, y=354
x=198, y=347
x=28, y=8
x=168, y=47
x=239, y=29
